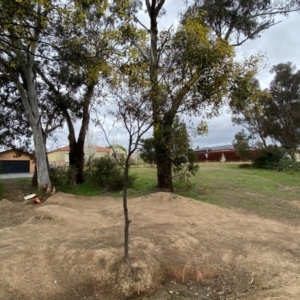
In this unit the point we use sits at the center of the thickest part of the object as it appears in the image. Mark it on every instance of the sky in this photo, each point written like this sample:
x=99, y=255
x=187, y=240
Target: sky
x=279, y=44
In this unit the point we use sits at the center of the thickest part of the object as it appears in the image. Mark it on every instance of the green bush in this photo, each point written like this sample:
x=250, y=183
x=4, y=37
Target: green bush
x=105, y=173
x=61, y=175
x=268, y=158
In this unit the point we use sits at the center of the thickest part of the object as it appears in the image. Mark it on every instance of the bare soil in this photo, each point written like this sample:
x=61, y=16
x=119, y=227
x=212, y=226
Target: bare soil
x=70, y=247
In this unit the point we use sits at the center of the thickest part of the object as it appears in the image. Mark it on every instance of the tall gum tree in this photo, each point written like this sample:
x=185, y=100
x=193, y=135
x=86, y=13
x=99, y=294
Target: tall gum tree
x=21, y=25
x=189, y=71
x=228, y=22
x=282, y=110
x=239, y=21
x=88, y=38
x=248, y=105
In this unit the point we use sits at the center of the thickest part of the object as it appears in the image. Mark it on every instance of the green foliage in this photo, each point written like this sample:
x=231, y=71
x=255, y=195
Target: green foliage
x=186, y=169
x=183, y=158
x=61, y=175
x=282, y=111
x=202, y=128
x=248, y=105
x=268, y=158
x=192, y=70
x=274, y=112
x=241, y=145
x=147, y=151
x=105, y=173
x=239, y=21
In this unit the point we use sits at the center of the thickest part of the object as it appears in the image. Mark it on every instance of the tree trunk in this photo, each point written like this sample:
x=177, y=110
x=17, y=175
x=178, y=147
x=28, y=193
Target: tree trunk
x=34, y=179
x=162, y=137
x=164, y=175
x=40, y=157
x=28, y=96
x=76, y=155
x=164, y=170
x=125, y=210
x=76, y=160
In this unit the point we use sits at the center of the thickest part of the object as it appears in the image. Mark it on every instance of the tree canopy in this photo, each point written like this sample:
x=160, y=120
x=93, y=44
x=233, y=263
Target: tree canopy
x=191, y=70
x=274, y=112
x=282, y=110
x=239, y=21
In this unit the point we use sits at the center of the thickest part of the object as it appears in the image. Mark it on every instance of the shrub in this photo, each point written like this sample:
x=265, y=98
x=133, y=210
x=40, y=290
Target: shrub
x=105, y=173
x=267, y=158
x=61, y=175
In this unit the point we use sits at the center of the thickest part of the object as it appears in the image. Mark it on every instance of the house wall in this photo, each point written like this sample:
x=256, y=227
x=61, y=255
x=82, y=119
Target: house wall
x=59, y=158
x=11, y=155
x=215, y=156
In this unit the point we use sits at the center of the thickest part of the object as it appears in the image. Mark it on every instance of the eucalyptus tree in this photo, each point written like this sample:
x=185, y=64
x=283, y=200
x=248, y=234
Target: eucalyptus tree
x=183, y=158
x=189, y=71
x=248, y=105
x=192, y=70
x=240, y=20
x=89, y=38
x=241, y=144
x=273, y=113
x=15, y=131
x=21, y=25
x=282, y=112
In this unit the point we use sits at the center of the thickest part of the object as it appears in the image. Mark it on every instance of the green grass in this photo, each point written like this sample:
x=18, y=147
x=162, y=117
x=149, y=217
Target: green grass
x=85, y=189
x=146, y=180
x=267, y=193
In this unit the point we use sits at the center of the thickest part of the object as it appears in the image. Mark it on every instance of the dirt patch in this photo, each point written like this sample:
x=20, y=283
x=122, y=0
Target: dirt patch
x=295, y=203
x=71, y=248
x=16, y=188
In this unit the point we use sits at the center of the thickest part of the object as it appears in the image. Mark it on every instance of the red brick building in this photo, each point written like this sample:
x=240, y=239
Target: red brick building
x=217, y=154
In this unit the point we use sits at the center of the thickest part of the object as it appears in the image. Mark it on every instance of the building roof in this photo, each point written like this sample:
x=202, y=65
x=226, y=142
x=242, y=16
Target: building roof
x=98, y=149
x=102, y=149
x=215, y=148
x=18, y=152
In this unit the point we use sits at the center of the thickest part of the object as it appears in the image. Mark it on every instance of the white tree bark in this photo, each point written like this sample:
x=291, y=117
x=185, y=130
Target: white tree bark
x=30, y=103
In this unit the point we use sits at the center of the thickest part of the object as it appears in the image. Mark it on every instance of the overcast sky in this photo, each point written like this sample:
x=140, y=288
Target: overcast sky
x=280, y=44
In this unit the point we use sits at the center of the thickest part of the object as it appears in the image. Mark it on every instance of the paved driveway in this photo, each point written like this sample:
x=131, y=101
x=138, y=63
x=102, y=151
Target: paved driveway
x=16, y=175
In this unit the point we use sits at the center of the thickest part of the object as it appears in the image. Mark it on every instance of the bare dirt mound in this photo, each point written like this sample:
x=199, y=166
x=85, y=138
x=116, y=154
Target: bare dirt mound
x=71, y=248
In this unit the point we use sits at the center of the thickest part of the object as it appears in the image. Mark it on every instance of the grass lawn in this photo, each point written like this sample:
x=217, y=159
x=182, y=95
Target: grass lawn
x=267, y=193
